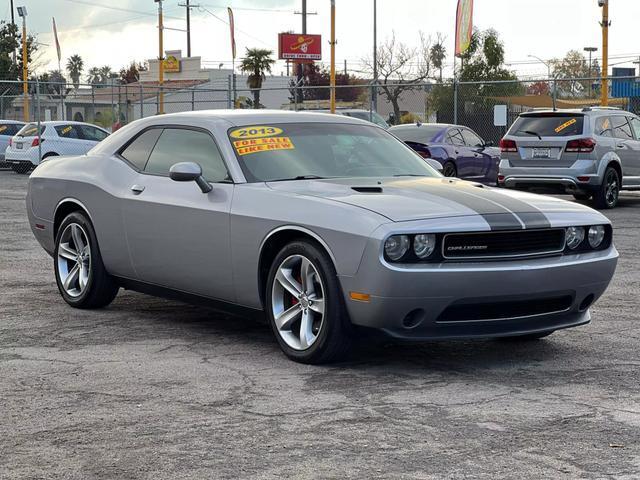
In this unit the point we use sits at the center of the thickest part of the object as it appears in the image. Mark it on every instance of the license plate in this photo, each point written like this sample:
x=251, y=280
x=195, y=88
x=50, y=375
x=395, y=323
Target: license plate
x=541, y=153
x=18, y=146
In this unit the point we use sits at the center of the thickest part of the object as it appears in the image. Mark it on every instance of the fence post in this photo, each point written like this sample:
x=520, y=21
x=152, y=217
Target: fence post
x=38, y=119
x=229, y=104
x=455, y=101
x=141, y=101
x=555, y=92
x=93, y=103
x=193, y=99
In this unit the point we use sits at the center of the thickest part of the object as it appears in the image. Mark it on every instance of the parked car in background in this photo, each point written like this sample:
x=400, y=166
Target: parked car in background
x=8, y=128
x=56, y=138
x=460, y=151
x=323, y=223
x=361, y=114
x=591, y=153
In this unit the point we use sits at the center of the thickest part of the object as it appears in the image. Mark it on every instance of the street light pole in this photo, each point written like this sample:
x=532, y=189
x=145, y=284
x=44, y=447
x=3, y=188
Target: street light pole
x=22, y=11
x=604, y=101
x=333, y=56
x=590, y=50
x=374, y=91
x=160, y=59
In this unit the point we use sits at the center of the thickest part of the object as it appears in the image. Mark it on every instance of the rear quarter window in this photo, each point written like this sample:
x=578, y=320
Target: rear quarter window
x=554, y=125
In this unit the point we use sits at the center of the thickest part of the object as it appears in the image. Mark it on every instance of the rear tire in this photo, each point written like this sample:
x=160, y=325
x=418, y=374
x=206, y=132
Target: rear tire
x=21, y=168
x=449, y=169
x=607, y=195
x=308, y=317
x=82, y=279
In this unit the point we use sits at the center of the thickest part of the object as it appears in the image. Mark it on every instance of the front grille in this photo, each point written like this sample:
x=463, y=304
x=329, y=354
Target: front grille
x=506, y=309
x=521, y=243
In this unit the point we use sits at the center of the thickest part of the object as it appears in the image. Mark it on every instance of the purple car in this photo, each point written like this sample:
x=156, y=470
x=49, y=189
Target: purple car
x=462, y=153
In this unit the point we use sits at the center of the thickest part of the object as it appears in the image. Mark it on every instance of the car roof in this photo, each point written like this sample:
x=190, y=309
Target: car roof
x=423, y=125
x=12, y=122
x=55, y=123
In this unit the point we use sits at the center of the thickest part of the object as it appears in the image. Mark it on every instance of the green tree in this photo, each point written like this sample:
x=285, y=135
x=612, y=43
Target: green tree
x=573, y=72
x=10, y=42
x=131, y=74
x=75, y=66
x=257, y=63
x=438, y=54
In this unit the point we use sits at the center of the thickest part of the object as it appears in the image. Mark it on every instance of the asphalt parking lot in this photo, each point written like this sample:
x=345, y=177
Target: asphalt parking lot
x=155, y=389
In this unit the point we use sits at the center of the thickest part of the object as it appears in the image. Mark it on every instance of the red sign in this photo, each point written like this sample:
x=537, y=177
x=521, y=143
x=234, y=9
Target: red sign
x=296, y=46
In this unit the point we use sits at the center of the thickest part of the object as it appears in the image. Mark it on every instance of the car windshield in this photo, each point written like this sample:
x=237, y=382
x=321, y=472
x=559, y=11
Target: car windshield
x=30, y=130
x=548, y=125
x=322, y=150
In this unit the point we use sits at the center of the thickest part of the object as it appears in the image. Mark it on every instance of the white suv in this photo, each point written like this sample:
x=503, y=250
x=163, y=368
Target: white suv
x=56, y=138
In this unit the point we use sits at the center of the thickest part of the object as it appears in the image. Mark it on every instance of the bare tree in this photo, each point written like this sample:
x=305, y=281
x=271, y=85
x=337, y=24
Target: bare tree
x=401, y=68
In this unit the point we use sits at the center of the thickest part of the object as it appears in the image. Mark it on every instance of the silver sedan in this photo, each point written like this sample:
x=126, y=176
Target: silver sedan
x=323, y=223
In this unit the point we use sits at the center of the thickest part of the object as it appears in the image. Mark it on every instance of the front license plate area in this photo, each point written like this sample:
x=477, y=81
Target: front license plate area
x=541, y=153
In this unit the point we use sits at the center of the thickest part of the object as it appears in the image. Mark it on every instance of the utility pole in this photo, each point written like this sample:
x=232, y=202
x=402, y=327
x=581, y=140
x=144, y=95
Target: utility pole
x=590, y=50
x=333, y=56
x=605, y=52
x=160, y=59
x=299, y=66
x=188, y=6
x=22, y=12
x=13, y=22
x=374, y=91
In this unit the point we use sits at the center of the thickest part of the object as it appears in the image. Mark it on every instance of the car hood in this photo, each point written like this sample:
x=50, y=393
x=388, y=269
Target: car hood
x=410, y=198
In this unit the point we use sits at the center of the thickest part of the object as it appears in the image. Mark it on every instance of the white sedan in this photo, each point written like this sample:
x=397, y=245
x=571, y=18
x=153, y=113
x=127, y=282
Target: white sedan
x=27, y=148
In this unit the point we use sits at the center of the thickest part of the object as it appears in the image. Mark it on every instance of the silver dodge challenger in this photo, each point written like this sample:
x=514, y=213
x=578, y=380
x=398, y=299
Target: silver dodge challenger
x=327, y=224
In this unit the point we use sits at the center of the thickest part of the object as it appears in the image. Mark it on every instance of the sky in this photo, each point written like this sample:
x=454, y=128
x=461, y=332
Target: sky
x=116, y=32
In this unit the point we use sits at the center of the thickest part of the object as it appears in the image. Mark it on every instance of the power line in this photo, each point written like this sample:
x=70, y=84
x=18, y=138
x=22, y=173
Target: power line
x=237, y=29
x=120, y=9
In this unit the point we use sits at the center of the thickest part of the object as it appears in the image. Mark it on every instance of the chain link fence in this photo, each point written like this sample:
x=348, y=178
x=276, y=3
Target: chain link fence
x=466, y=103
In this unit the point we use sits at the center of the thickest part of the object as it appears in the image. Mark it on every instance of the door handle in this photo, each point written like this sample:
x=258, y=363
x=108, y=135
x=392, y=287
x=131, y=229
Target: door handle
x=137, y=189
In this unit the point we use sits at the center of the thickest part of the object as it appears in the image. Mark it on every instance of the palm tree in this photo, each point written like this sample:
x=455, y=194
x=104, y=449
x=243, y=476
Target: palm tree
x=105, y=74
x=75, y=65
x=257, y=63
x=93, y=76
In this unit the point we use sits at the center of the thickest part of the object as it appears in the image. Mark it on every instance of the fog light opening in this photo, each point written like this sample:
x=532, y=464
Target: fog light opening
x=414, y=318
x=586, y=303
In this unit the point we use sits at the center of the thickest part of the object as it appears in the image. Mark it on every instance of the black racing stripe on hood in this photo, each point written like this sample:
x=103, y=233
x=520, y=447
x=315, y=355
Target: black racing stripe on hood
x=504, y=220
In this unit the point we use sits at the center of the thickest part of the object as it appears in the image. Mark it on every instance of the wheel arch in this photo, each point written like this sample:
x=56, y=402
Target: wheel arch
x=275, y=241
x=64, y=208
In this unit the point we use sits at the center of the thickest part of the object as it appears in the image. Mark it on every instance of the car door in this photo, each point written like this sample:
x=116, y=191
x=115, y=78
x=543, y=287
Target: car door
x=483, y=164
x=633, y=169
x=178, y=236
x=69, y=141
x=460, y=153
x=625, y=143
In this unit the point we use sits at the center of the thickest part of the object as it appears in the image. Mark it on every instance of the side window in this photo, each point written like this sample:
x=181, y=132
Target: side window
x=471, y=139
x=455, y=137
x=603, y=127
x=635, y=125
x=182, y=145
x=67, y=131
x=621, y=127
x=138, y=151
x=9, y=129
x=92, y=133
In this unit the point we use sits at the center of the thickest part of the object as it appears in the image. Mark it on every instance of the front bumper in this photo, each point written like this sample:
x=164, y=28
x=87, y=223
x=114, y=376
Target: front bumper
x=480, y=299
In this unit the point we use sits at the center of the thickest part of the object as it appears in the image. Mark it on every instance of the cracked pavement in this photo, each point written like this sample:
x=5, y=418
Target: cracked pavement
x=155, y=389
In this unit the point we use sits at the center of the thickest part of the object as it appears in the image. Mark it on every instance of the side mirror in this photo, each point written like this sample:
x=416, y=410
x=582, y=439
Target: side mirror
x=189, y=172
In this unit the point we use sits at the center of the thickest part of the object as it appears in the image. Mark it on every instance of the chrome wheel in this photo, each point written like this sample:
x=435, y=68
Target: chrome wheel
x=611, y=188
x=74, y=260
x=298, y=302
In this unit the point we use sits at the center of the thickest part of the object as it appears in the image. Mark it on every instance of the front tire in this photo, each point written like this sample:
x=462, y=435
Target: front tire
x=82, y=279
x=305, y=305
x=607, y=195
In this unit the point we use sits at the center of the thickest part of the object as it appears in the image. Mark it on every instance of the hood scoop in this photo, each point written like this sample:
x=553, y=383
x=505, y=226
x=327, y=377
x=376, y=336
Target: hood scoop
x=367, y=189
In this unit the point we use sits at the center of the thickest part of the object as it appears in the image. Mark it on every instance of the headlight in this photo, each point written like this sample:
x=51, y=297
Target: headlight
x=574, y=237
x=424, y=245
x=396, y=246
x=596, y=235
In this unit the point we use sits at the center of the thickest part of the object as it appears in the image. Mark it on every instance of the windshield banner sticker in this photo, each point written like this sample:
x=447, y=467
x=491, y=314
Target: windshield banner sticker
x=255, y=132
x=566, y=124
x=244, y=147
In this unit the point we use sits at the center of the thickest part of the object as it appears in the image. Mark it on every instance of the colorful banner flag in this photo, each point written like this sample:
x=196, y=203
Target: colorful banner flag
x=233, y=33
x=55, y=35
x=464, y=26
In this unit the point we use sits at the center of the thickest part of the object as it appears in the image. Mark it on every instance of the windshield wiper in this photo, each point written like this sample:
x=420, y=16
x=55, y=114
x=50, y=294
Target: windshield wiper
x=531, y=132
x=300, y=177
